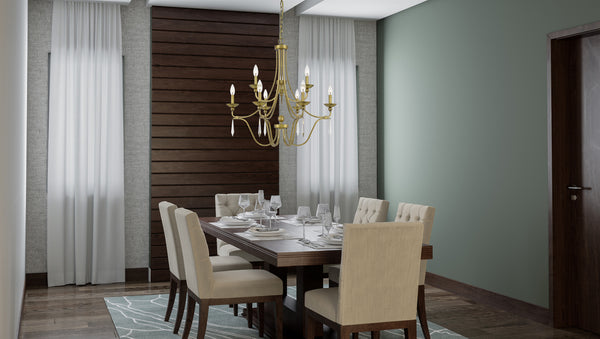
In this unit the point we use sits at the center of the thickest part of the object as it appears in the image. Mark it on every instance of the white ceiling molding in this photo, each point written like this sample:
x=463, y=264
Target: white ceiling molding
x=120, y=2
x=371, y=9
x=260, y=6
x=359, y=9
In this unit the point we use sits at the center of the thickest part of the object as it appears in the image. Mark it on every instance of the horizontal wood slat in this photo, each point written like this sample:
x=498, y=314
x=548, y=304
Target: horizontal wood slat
x=211, y=61
x=215, y=16
x=215, y=166
x=206, y=190
x=212, y=39
x=166, y=48
x=212, y=179
x=214, y=27
x=196, y=56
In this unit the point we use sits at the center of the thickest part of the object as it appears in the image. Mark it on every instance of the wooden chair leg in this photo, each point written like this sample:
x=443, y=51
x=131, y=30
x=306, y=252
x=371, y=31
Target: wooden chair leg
x=411, y=331
x=422, y=312
x=235, y=310
x=189, y=318
x=172, y=293
x=309, y=323
x=181, y=305
x=279, y=318
x=202, y=319
x=261, y=319
x=249, y=314
x=375, y=334
x=344, y=332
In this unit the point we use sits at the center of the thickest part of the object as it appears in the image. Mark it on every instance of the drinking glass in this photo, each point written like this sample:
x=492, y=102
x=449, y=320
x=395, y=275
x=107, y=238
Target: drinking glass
x=321, y=210
x=303, y=215
x=259, y=207
x=327, y=222
x=275, y=204
x=244, y=202
x=337, y=214
x=266, y=211
x=261, y=197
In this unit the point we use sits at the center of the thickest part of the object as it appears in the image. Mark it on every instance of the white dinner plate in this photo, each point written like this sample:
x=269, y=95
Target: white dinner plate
x=231, y=221
x=258, y=233
x=333, y=240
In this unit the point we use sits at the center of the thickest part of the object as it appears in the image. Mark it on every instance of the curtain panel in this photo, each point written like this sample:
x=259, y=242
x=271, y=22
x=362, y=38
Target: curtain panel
x=85, y=240
x=327, y=166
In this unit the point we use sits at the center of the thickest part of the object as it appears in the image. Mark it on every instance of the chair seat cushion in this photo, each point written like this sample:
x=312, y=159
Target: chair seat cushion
x=229, y=263
x=334, y=273
x=230, y=250
x=245, y=283
x=323, y=301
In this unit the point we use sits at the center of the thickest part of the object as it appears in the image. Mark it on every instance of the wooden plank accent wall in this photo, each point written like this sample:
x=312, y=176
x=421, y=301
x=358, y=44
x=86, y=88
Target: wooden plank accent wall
x=196, y=56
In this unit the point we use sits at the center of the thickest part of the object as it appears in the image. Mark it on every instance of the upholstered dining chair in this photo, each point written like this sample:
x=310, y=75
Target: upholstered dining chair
x=357, y=306
x=220, y=288
x=176, y=266
x=227, y=205
x=369, y=210
x=408, y=212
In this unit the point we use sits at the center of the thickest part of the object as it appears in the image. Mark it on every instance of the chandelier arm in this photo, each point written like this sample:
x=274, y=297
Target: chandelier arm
x=254, y=137
x=317, y=116
x=309, y=134
x=243, y=117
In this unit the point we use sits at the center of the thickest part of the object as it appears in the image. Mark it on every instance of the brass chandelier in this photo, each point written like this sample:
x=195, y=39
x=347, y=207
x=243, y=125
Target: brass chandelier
x=280, y=93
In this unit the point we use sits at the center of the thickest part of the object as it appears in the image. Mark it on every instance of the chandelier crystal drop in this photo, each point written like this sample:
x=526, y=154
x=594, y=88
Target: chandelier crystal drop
x=283, y=95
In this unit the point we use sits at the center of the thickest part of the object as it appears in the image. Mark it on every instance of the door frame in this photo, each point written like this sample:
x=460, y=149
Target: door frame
x=562, y=241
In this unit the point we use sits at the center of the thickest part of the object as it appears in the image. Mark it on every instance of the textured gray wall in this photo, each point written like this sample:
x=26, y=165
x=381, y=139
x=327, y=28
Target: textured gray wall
x=136, y=69
x=366, y=61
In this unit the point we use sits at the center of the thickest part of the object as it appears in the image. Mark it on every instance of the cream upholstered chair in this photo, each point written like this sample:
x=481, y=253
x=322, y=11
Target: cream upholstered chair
x=408, y=212
x=368, y=211
x=227, y=205
x=176, y=266
x=371, y=210
x=220, y=288
x=393, y=268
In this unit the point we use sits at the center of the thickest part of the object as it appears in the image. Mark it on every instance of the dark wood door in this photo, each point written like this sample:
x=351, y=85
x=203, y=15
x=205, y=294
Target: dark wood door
x=575, y=179
x=587, y=189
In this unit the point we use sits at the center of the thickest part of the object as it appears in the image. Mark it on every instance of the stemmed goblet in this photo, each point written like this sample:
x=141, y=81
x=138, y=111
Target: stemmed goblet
x=321, y=210
x=337, y=215
x=244, y=202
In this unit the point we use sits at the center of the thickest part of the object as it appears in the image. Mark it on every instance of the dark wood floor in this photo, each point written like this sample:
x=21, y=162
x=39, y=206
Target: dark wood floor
x=80, y=312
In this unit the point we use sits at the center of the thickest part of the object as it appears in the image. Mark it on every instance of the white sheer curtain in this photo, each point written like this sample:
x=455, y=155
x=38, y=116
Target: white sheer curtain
x=85, y=146
x=327, y=166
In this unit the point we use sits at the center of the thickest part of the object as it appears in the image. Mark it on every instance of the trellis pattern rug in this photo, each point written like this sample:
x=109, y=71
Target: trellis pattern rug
x=141, y=317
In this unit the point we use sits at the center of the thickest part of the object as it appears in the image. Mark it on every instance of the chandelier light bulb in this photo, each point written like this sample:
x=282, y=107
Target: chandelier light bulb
x=255, y=71
x=330, y=91
x=303, y=87
x=232, y=90
x=265, y=95
x=297, y=95
x=259, y=87
x=306, y=71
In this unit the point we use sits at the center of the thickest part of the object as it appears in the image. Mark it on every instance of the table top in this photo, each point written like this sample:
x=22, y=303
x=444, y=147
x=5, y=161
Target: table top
x=283, y=252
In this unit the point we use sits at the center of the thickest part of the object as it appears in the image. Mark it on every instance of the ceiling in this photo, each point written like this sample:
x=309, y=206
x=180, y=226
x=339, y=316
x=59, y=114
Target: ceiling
x=360, y=9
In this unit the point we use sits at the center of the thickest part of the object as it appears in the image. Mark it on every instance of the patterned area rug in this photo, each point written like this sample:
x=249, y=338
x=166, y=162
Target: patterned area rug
x=141, y=317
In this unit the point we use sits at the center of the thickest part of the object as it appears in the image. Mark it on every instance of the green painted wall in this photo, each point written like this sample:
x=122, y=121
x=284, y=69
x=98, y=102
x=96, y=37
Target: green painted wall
x=463, y=127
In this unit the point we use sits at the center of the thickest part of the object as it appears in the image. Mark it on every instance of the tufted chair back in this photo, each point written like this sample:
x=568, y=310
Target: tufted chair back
x=174, y=255
x=418, y=213
x=226, y=204
x=371, y=210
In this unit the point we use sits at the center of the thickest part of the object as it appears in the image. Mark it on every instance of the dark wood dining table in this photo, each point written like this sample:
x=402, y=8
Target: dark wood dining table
x=279, y=256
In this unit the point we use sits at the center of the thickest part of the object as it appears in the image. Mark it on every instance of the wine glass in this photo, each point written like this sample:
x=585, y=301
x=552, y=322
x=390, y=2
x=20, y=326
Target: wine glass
x=337, y=214
x=259, y=205
x=327, y=222
x=244, y=202
x=266, y=211
x=321, y=210
x=275, y=203
x=303, y=215
x=261, y=197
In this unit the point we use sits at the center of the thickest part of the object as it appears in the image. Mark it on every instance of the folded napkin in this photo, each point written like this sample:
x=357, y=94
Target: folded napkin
x=233, y=222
